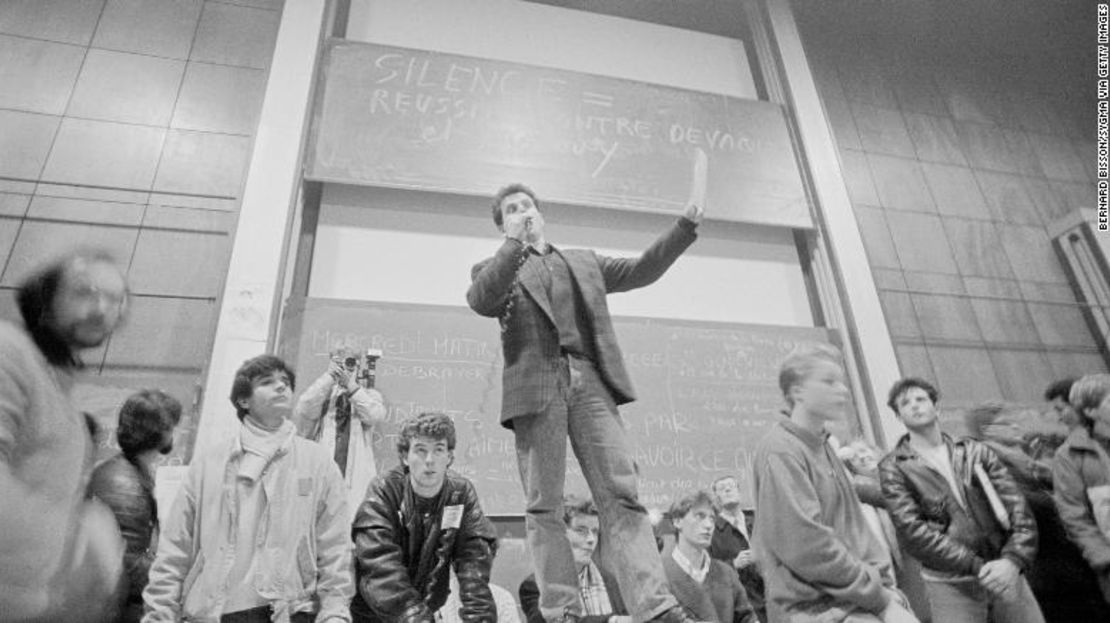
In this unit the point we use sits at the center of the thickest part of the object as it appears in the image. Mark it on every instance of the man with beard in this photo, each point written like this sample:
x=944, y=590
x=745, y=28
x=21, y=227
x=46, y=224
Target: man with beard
x=60, y=555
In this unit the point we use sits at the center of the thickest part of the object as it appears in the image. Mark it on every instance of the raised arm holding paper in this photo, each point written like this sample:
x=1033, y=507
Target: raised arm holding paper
x=564, y=376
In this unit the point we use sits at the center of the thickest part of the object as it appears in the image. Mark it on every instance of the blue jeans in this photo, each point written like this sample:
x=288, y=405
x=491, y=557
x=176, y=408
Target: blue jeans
x=586, y=412
x=966, y=601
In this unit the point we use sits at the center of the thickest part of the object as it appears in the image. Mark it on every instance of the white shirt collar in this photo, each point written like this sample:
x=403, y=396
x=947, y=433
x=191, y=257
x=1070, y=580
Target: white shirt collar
x=699, y=572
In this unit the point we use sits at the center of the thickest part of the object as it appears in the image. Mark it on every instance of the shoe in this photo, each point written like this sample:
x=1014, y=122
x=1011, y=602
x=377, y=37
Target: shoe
x=676, y=615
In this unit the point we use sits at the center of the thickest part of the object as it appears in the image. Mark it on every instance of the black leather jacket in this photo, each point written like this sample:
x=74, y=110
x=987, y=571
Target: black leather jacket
x=403, y=575
x=129, y=492
x=939, y=532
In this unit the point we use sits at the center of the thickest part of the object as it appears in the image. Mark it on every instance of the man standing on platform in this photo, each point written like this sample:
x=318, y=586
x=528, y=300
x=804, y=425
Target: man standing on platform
x=564, y=375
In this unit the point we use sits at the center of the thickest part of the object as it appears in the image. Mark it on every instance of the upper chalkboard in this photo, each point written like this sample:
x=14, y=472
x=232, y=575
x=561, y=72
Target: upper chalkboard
x=389, y=116
x=706, y=391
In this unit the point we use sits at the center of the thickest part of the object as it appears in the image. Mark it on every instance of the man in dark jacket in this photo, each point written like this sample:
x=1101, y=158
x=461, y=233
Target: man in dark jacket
x=732, y=535
x=125, y=483
x=417, y=521
x=958, y=510
x=564, y=375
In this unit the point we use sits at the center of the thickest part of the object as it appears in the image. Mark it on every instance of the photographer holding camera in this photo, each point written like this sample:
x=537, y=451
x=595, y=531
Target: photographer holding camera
x=339, y=412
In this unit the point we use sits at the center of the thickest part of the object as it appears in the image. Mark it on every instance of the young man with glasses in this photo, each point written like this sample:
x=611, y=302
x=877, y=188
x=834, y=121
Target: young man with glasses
x=601, y=599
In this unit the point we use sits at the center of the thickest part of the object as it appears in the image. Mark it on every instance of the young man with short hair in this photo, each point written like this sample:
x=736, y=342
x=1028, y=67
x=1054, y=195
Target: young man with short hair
x=601, y=598
x=820, y=560
x=125, y=483
x=564, y=376
x=958, y=510
x=732, y=536
x=708, y=589
x=418, y=521
x=259, y=531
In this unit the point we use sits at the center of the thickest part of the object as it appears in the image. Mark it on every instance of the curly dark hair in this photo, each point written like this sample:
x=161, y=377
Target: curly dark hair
x=432, y=424
x=1059, y=389
x=903, y=385
x=144, y=420
x=516, y=187
x=256, y=368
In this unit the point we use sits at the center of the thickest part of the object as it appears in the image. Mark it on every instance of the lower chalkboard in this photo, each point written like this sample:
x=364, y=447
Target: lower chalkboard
x=706, y=391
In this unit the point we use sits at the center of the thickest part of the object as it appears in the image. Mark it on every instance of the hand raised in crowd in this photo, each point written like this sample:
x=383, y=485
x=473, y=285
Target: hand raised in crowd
x=699, y=175
x=694, y=213
x=743, y=559
x=999, y=576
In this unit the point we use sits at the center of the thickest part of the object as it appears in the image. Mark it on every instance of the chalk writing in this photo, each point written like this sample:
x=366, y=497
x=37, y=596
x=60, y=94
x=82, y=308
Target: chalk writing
x=394, y=116
x=706, y=393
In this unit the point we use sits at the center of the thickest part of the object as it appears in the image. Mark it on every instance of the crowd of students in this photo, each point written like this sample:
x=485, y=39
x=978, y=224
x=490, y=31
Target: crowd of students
x=1006, y=524
x=282, y=522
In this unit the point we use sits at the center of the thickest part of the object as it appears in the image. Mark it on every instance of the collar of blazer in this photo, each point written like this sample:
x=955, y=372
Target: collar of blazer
x=531, y=281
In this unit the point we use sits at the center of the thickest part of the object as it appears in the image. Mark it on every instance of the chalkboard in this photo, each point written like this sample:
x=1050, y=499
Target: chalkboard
x=389, y=116
x=707, y=391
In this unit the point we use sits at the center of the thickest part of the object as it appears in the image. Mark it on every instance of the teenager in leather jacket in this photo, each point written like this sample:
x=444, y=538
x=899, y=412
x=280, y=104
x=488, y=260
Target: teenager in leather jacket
x=417, y=521
x=934, y=527
x=939, y=496
x=125, y=483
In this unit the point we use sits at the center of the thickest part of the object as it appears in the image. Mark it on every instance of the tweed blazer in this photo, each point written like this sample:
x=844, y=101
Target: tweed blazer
x=508, y=287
